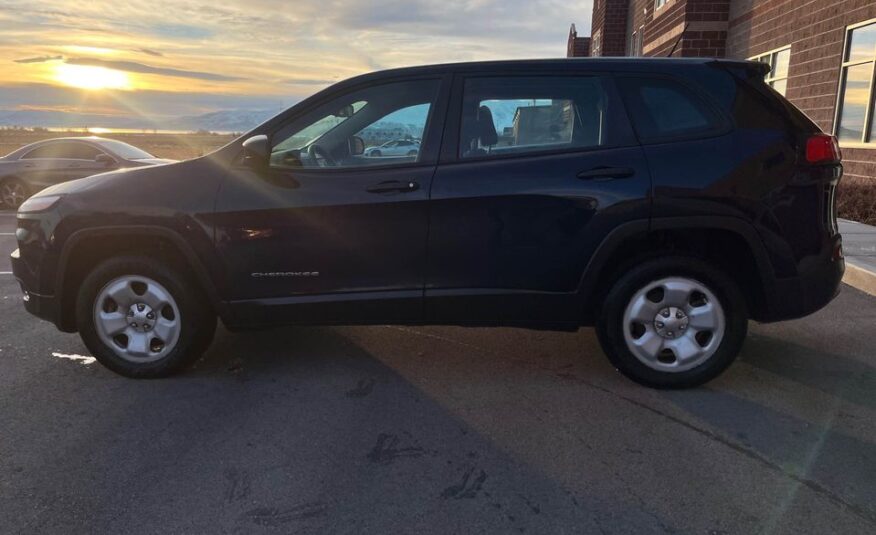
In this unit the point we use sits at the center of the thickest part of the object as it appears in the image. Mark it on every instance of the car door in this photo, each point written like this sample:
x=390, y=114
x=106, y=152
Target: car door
x=536, y=171
x=45, y=165
x=59, y=162
x=82, y=161
x=323, y=233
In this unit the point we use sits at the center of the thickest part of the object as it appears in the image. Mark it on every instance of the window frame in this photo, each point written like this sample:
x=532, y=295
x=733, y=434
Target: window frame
x=768, y=79
x=431, y=132
x=863, y=143
x=618, y=127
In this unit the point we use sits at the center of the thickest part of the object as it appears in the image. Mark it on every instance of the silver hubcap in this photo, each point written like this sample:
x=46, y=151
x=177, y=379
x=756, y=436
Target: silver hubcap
x=137, y=318
x=13, y=194
x=674, y=324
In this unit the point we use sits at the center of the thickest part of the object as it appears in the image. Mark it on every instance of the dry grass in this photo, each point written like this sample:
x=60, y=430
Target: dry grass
x=856, y=199
x=173, y=146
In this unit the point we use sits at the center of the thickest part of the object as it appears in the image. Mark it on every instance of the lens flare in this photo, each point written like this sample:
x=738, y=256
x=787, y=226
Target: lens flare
x=91, y=77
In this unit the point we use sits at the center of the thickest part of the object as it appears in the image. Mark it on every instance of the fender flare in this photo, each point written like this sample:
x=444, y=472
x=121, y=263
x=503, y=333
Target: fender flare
x=616, y=238
x=191, y=258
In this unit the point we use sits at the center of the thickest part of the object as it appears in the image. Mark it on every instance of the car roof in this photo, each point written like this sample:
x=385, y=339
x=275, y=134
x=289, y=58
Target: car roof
x=37, y=144
x=581, y=63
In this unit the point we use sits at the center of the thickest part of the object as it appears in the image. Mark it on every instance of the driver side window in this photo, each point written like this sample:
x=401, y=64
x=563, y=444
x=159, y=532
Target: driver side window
x=380, y=125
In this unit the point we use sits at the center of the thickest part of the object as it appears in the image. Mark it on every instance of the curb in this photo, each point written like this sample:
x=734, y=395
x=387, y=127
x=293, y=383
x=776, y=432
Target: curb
x=860, y=278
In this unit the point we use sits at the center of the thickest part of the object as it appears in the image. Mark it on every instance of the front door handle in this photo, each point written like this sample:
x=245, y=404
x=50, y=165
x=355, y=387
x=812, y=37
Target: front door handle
x=394, y=186
x=606, y=173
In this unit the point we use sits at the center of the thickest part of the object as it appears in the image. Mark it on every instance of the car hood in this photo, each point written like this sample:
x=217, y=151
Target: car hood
x=110, y=178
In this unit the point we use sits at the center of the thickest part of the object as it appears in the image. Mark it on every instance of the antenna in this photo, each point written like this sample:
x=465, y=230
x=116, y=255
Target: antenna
x=678, y=40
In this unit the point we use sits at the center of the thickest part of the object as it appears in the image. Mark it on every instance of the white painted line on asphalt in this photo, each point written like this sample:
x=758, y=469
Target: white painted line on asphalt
x=82, y=359
x=7, y=234
x=5, y=273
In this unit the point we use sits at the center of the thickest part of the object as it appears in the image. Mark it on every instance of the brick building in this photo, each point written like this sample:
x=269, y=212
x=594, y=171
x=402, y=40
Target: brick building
x=822, y=53
x=577, y=46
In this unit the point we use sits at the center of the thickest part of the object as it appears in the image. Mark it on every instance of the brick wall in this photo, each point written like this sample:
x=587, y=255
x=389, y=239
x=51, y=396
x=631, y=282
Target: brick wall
x=577, y=47
x=610, y=25
x=815, y=30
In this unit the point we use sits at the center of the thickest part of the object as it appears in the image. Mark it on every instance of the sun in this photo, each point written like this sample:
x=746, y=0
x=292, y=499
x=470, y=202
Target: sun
x=91, y=77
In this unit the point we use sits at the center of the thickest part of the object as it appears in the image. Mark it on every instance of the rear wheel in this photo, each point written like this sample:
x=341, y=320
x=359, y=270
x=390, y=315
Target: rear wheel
x=673, y=322
x=141, y=318
x=13, y=192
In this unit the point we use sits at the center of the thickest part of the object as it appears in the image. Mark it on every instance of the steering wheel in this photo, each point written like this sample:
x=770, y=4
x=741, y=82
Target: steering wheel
x=320, y=156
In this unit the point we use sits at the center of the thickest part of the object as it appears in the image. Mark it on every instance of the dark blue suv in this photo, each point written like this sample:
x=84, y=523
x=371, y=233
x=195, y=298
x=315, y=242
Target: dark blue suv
x=664, y=201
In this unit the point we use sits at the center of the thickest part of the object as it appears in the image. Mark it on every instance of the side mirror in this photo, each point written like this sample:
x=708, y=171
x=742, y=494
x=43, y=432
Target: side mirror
x=256, y=150
x=105, y=159
x=357, y=146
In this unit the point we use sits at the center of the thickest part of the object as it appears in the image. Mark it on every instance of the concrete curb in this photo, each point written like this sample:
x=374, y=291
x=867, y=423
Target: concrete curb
x=860, y=278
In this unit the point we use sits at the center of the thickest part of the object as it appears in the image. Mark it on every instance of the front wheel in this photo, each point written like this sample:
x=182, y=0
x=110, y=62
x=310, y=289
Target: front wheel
x=142, y=319
x=13, y=192
x=674, y=322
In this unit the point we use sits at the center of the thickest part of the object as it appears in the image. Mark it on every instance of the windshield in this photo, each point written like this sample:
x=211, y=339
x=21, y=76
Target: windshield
x=128, y=152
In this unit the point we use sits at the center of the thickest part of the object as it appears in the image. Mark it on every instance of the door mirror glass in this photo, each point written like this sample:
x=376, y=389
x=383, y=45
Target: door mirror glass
x=255, y=150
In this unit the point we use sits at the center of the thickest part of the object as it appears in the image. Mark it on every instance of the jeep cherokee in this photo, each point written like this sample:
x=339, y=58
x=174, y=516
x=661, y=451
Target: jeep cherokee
x=664, y=201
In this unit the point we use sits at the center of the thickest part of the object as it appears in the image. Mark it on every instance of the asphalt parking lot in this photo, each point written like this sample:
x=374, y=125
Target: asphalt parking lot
x=446, y=430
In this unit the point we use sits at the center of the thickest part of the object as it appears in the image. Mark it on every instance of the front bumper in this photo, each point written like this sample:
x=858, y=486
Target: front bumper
x=42, y=306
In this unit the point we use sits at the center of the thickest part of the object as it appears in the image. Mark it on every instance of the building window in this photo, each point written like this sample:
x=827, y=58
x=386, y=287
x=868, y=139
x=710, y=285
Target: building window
x=778, y=60
x=659, y=3
x=855, y=111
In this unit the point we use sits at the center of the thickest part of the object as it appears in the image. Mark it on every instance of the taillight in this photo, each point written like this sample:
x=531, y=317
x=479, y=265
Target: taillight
x=822, y=148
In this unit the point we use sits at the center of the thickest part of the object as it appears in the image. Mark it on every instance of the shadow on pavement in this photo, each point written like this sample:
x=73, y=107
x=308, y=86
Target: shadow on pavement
x=297, y=430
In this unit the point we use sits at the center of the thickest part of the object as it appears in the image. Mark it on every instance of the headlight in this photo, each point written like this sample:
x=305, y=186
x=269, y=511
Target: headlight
x=38, y=204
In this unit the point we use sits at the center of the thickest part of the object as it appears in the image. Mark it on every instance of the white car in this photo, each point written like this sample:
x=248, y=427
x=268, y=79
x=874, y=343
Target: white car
x=396, y=147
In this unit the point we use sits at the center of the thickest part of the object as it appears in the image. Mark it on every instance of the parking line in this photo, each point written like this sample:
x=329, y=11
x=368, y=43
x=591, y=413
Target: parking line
x=7, y=234
x=5, y=273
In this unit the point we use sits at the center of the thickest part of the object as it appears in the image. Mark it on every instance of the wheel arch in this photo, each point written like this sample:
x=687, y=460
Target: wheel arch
x=727, y=242
x=86, y=248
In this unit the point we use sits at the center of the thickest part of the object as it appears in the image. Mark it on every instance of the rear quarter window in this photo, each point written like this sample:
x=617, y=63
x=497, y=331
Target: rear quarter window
x=663, y=109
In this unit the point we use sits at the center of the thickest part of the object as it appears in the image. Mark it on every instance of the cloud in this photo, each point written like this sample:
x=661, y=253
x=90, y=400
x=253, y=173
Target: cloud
x=133, y=66
x=264, y=49
x=307, y=81
x=39, y=59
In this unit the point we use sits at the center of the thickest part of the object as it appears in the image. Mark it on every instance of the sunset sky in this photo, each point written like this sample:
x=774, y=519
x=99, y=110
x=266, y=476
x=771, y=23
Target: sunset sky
x=169, y=58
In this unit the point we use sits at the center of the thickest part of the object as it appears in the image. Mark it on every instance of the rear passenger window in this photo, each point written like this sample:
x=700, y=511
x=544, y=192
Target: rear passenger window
x=514, y=115
x=663, y=109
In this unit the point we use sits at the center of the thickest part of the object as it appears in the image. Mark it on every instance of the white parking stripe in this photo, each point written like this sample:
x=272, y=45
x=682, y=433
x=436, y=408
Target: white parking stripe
x=5, y=273
x=7, y=234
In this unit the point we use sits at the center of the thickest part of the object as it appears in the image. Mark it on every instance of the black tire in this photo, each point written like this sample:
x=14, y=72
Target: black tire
x=197, y=319
x=20, y=186
x=610, y=327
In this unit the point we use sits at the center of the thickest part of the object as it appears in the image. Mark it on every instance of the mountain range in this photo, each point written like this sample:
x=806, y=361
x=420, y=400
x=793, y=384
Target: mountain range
x=218, y=121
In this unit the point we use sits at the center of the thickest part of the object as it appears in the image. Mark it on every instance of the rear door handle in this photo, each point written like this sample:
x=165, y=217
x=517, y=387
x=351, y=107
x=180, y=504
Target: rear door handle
x=394, y=186
x=606, y=173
